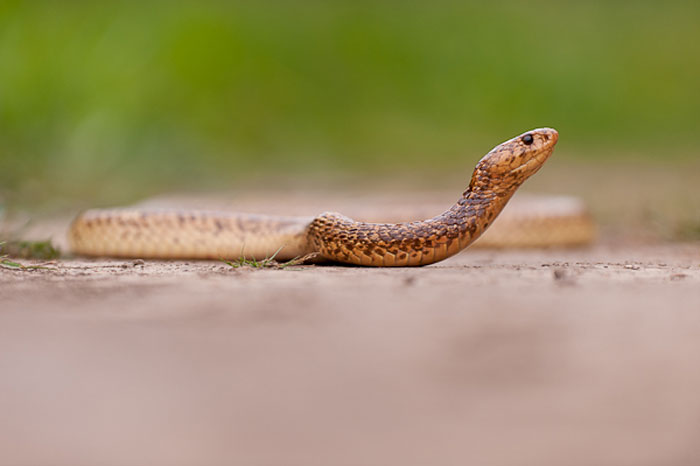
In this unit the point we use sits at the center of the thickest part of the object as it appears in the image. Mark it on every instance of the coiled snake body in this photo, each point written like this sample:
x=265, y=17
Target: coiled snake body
x=216, y=235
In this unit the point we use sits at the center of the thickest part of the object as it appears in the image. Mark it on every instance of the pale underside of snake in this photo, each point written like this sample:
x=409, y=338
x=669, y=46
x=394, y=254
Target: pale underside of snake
x=195, y=234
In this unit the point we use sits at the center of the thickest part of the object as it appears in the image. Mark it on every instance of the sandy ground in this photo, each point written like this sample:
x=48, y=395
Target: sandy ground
x=585, y=357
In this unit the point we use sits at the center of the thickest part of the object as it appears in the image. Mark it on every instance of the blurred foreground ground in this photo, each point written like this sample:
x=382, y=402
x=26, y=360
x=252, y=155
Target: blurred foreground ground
x=499, y=358
x=579, y=357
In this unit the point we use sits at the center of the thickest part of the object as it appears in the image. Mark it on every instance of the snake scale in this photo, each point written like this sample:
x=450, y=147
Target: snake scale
x=194, y=234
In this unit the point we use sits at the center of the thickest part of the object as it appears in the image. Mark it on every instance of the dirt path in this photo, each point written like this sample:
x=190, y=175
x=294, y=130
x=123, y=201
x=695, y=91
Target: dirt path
x=499, y=358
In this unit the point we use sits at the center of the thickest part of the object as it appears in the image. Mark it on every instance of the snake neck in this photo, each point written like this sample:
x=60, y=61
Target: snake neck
x=342, y=239
x=474, y=212
x=480, y=203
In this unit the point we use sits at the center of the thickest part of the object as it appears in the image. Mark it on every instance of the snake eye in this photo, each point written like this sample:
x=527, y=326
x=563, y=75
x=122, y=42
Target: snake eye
x=528, y=139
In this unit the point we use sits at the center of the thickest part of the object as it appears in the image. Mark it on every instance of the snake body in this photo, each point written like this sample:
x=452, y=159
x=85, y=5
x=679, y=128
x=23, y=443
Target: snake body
x=173, y=234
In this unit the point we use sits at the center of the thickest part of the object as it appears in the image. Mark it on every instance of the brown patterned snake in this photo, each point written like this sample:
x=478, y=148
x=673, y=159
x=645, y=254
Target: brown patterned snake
x=173, y=234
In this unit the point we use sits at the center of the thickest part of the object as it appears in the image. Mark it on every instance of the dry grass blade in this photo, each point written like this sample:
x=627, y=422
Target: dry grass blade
x=268, y=262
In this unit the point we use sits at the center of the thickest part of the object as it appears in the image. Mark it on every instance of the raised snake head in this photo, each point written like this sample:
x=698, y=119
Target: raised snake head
x=509, y=164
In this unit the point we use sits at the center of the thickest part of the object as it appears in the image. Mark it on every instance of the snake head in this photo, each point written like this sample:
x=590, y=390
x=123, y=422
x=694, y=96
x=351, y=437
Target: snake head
x=509, y=164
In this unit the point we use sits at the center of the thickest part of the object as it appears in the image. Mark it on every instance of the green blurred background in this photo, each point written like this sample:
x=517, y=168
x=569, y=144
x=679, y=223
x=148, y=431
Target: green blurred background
x=103, y=102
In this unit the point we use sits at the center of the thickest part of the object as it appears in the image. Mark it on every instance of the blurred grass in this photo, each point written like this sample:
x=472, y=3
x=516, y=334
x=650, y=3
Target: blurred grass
x=30, y=249
x=106, y=101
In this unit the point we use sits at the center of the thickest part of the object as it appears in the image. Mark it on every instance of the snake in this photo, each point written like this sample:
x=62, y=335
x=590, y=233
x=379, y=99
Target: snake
x=330, y=236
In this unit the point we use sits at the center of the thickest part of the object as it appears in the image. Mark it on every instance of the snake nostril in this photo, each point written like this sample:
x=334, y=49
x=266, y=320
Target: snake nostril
x=528, y=139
